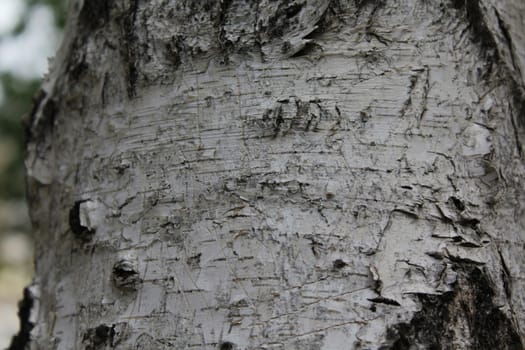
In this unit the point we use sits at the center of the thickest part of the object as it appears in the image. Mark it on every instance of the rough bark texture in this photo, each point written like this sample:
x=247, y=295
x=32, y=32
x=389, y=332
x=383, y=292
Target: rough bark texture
x=281, y=175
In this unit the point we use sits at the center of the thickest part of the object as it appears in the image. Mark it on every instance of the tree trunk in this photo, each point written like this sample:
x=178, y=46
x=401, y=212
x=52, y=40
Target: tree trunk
x=273, y=174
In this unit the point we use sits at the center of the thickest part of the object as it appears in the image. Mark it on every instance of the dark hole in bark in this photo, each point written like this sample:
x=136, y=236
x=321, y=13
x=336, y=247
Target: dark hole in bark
x=82, y=232
x=339, y=264
x=226, y=346
x=21, y=340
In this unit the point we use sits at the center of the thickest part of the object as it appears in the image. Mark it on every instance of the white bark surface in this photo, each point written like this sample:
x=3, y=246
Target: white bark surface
x=281, y=175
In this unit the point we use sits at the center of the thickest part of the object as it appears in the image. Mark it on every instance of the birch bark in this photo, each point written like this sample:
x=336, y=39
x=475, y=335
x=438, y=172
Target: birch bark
x=280, y=175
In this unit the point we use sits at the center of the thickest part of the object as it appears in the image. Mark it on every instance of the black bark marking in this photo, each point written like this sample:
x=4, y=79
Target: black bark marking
x=221, y=21
x=82, y=232
x=283, y=18
x=458, y=203
x=469, y=222
x=441, y=316
x=505, y=277
x=519, y=145
x=383, y=300
x=76, y=62
x=98, y=337
x=330, y=20
x=364, y=116
x=22, y=339
x=480, y=32
x=125, y=275
x=286, y=28
x=410, y=214
x=292, y=114
x=338, y=264
x=508, y=40
x=129, y=43
x=308, y=49
x=518, y=101
x=173, y=49
x=29, y=120
x=360, y=4
x=49, y=111
x=274, y=118
x=104, y=88
x=194, y=261
x=517, y=116
x=316, y=247
x=94, y=14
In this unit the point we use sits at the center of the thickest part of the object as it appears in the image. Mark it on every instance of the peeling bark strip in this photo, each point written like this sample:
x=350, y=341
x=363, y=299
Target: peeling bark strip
x=280, y=175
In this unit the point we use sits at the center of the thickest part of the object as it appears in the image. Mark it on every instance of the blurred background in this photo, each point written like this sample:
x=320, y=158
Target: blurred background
x=30, y=31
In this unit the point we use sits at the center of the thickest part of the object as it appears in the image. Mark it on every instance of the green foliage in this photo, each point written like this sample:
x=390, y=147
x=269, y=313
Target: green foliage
x=16, y=104
x=58, y=7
